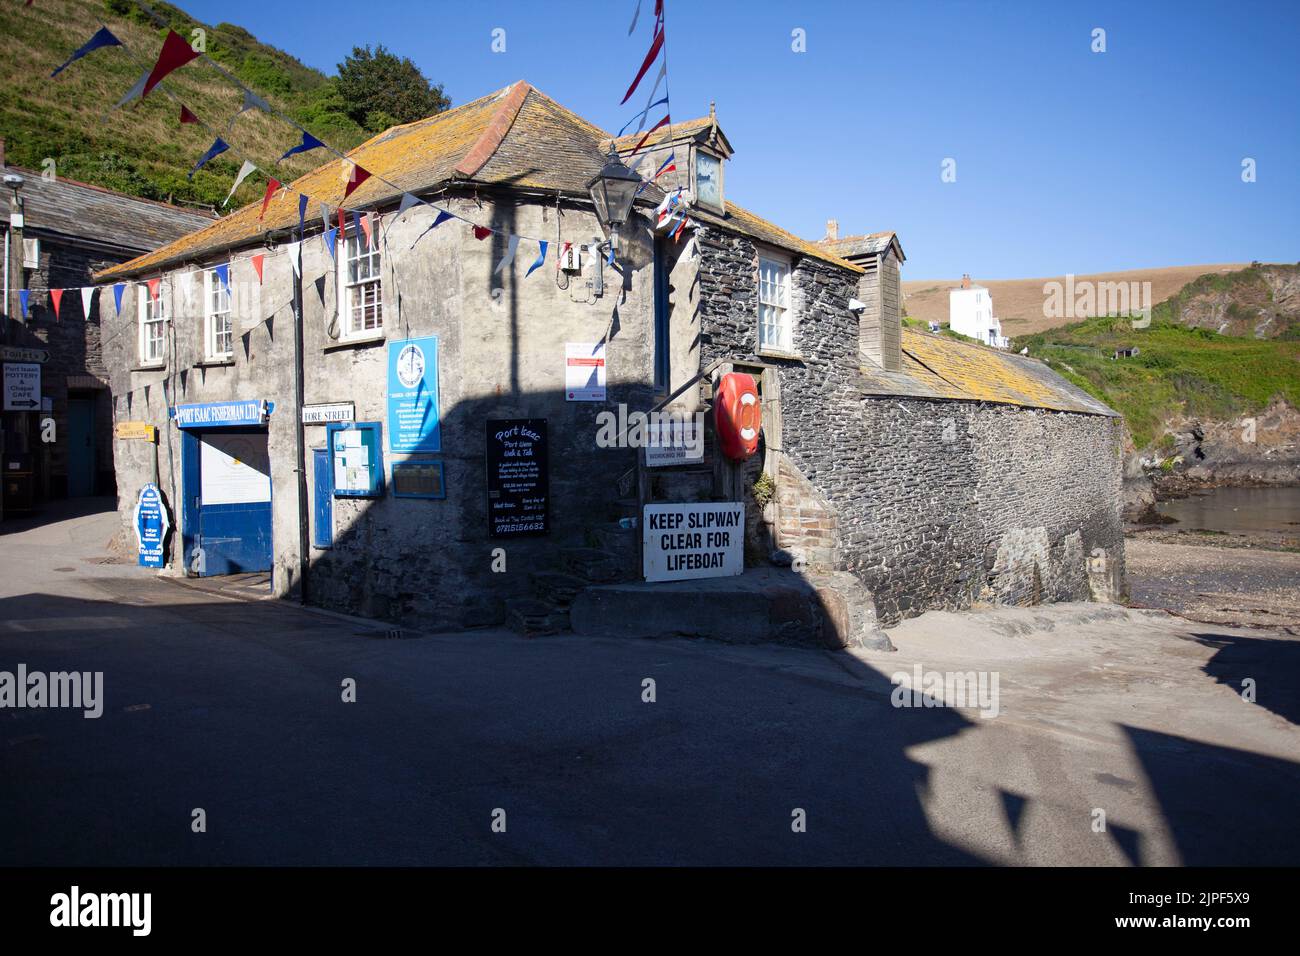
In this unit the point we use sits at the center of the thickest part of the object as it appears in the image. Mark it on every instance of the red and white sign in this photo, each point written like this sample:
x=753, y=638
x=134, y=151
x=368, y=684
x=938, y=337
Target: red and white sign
x=584, y=371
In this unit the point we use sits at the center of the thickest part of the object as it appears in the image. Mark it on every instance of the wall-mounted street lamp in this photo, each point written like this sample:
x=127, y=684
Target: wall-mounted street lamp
x=612, y=190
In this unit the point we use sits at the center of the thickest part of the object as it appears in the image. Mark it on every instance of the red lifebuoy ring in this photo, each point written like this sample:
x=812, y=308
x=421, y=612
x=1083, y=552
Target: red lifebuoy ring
x=737, y=415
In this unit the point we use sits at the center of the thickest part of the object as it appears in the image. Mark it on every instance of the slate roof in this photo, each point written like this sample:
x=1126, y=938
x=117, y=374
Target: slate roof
x=73, y=212
x=697, y=129
x=935, y=366
x=871, y=244
x=756, y=227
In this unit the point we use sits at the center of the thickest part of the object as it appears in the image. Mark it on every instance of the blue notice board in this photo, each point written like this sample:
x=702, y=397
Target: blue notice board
x=413, y=395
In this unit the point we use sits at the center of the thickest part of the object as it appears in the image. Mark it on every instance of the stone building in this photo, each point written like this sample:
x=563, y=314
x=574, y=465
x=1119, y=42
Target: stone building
x=932, y=472
x=65, y=232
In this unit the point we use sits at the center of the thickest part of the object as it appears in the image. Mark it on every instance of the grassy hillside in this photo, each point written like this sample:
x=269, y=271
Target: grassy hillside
x=143, y=149
x=1179, y=372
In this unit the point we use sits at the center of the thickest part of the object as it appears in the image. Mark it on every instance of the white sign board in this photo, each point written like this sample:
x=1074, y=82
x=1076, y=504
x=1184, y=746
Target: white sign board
x=22, y=387
x=702, y=540
x=674, y=442
x=351, y=462
x=328, y=412
x=584, y=371
x=234, y=469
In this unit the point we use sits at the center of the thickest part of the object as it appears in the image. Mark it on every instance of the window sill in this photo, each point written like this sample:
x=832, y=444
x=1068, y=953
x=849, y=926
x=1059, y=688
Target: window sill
x=357, y=341
x=779, y=354
x=216, y=362
x=151, y=367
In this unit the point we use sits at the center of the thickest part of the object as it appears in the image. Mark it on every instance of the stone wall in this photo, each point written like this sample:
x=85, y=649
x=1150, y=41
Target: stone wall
x=938, y=503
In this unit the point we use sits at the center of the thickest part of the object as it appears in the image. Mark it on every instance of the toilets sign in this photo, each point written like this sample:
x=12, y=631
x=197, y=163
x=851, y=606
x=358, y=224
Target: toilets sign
x=704, y=540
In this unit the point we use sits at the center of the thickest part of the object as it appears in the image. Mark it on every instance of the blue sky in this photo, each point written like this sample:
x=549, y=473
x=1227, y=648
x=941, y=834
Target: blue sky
x=1066, y=160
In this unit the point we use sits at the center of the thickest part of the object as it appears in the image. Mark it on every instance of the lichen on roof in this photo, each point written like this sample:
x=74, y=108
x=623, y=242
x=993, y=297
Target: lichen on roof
x=935, y=366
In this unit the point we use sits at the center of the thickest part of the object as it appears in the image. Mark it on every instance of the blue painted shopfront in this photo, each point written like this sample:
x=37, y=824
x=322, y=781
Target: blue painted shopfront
x=226, y=483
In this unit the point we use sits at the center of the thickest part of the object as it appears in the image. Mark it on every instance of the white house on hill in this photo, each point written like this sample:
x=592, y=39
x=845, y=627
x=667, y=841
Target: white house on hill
x=970, y=313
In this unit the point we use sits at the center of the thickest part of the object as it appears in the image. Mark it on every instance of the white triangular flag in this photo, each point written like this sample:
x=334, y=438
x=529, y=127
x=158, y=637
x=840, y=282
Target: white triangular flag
x=407, y=202
x=511, y=245
x=134, y=91
x=245, y=171
x=186, y=282
x=87, y=294
x=295, y=256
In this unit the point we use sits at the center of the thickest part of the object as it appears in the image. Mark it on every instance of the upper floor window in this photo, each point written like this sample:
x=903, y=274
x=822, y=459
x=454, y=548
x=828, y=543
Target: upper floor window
x=153, y=323
x=775, y=331
x=217, y=326
x=361, y=305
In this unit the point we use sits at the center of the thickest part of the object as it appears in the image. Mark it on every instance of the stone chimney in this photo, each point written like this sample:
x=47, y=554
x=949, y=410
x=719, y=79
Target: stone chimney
x=965, y=280
x=832, y=230
x=880, y=325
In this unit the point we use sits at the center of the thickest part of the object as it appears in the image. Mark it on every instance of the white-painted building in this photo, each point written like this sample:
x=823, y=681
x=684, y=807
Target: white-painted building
x=970, y=313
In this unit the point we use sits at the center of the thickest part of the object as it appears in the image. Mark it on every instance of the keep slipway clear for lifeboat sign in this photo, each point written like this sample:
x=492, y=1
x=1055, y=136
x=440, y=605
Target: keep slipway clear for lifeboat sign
x=693, y=541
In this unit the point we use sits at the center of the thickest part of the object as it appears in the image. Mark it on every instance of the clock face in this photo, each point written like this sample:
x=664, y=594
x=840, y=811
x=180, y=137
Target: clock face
x=708, y=179
x=410, y=365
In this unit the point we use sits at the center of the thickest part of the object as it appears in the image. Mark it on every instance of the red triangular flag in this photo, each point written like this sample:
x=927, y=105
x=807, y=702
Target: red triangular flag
x=257, y=264
x=187, y=116
x=56, y=296
x=649, y=58
x=174, y=55
x=482, y=232
x=368, y=230
x=659, y=125
x=153, y=288
x=358, y=177
x=343, y=231
x=271, y=187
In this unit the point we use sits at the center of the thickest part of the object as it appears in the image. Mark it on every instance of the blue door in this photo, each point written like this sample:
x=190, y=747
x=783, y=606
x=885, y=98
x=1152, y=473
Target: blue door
x=81, y=447
x=227, y=474
x=322, y=517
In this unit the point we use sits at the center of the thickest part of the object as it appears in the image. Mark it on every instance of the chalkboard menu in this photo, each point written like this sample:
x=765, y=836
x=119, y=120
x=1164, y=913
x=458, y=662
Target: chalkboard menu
x=516, y=477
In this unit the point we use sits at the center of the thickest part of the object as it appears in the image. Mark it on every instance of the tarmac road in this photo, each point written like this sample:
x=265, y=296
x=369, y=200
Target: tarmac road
x=236, y=708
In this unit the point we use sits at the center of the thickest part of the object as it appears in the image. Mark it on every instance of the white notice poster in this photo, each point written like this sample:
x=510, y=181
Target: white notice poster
x=584, y=371
x=234, y=469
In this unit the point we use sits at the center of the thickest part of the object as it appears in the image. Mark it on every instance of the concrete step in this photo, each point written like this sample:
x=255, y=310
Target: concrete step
x=556, y=588
x=596, y=565
x=530, y=616
x=763, y=605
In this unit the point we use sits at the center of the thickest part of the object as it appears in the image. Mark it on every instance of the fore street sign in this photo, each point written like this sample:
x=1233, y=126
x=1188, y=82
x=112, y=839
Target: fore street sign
x=22, y=384
x=16, y=353
x=328, y=412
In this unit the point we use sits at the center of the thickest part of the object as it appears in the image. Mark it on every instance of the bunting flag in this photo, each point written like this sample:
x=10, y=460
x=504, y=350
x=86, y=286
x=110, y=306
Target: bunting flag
x=103, y=37
x=357, y=177
x=651, y=131
x=117, y=296
x=218, y=147
x=610, y=260
x=655, y=47
x=271, y=187
x=23, y=296
x=669, y=165
x=541, y=257
x=512, y=243
x=133, y=92
x=325, y=216
x=87, y=296
x=641, y=116
x=154, y=284
x=407, y=202
x=368, y=228
x=187, y=116
x=295, y=256
x=223, y=273
x=331, y=236
x=302, y=213
x=253, y=102
x=174, y=55
x=356, y=227
x=442, y=217
x=186, y=281
x=481, y=232
x=257, y=265
x=636, y=14
x=245, y=171
x=309, y=142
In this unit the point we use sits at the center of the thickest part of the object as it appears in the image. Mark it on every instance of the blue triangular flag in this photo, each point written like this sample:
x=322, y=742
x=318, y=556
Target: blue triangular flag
x=302, y=214
x=541, y=257
x=103, y=37
x=216, y=149
x=611, y=254
x=443, y=216
x=223, y=273
x=356, y=225
x=331, y=238
x=117, y=295
x=23, y=296
x=308, y=142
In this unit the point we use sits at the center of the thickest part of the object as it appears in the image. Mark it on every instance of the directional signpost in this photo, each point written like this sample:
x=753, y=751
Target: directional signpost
x=22, y=387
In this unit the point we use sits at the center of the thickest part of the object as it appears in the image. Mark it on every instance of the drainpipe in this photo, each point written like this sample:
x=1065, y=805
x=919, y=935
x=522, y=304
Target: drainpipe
x=298, y=442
